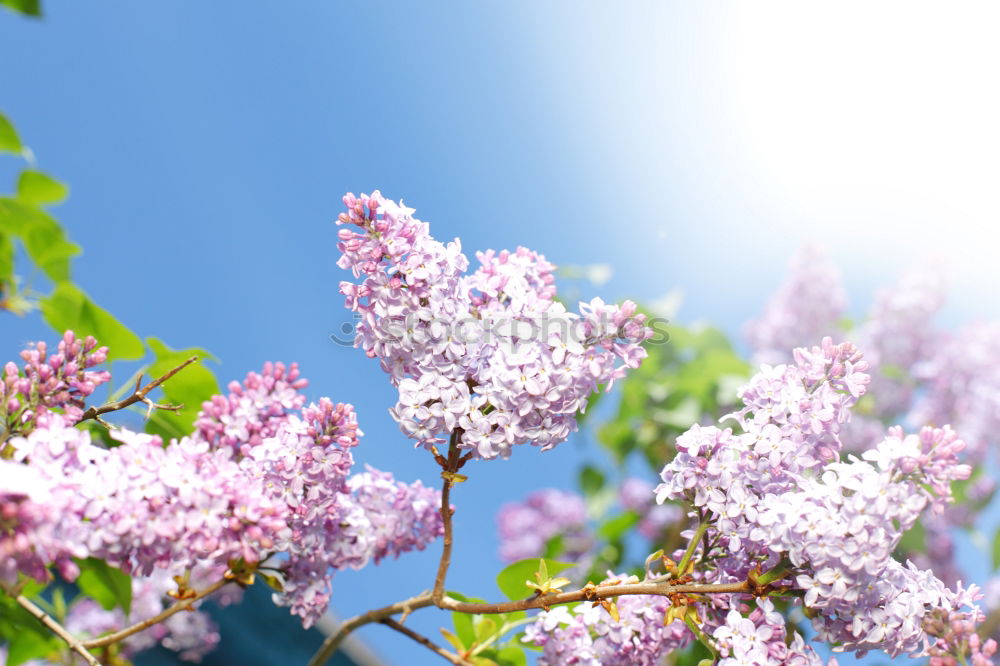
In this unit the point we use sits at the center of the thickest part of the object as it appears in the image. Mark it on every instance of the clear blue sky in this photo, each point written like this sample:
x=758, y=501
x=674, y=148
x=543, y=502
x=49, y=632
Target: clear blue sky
x=689, y=146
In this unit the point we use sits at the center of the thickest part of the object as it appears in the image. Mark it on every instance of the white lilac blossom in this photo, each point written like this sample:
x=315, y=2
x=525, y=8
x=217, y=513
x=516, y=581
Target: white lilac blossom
x=526, y=527
x=490, y=354
x=588, y=635
x=806, y=307
x=761, y=639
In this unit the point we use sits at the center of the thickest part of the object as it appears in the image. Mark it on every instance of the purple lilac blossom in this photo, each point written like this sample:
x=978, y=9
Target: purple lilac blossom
x=490, y=353
x=587, y=635
x=806, y=307
x=526, y=527
x=261, y=475
x=779, y=493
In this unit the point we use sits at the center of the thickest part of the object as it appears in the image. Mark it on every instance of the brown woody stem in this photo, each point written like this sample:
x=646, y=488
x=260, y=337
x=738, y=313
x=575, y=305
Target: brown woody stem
x=183, y=604
x=138, y=395
x=426, y=642
x=56, y=628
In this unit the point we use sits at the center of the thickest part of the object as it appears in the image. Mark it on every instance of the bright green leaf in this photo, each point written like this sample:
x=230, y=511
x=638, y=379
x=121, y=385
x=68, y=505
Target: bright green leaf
x=68, y=308
x=26, y=645
x=510, y=656
x=6, y=260
x=108, y=586
x=35, y=187
x=485, y=627
x=9, y=141
x=511, y=580
x=996, y=550
x=591, y=480
x=190, y=387
x=616, y=527
x=463, y=629
x=43, y=238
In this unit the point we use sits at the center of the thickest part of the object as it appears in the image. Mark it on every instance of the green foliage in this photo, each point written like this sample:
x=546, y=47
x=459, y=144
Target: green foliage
x=996, y=550
x=25, y=636
x=190, y=387
x=9, y=141
x=478, y=635
x=26, y=7
x=110, y=587
x=511, y=580
x=36, y=187
x=591, y=480
x=69, y=308
x=42, y=237
x=615, y=528
x=688, y=379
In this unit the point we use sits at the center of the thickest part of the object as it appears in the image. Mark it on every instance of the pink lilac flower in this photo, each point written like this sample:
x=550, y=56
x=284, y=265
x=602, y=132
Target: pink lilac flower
x=47, y=382
x=491, y=354
x=588, y=636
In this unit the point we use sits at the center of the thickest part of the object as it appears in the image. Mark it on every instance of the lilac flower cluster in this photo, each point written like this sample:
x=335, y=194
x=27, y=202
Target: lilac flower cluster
x=778, y=496
x=806, y=307
x=256, y=478
x=587, y=635
x=490, y=355
x=526, y=527
x=400, y=517
x=962, y=380
x=60, y=381
x=140, y=505
x=761, y=639
x=253, y=410
x=899, y=335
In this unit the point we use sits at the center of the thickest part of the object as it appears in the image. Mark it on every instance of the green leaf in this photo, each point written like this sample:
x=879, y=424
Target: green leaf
x=26, y=7
x=68, y=308
x=9, y=142
x=510, y=655
x=26, y=645
x=108, y=586
x=43, y=238
x=35, y=187
x=190, y=387
x=511, y=579
x=553, y=547
x=591, y=480
x=6, y=259
x=616, y=527
x=996, y=550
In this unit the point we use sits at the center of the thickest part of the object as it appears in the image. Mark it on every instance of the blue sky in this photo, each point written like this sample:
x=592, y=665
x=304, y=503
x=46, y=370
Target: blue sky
x=689, y=146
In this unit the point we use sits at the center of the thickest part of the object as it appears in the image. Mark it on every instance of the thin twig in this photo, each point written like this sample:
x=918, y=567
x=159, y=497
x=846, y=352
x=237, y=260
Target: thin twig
x=138, y=395
x=183, y=604
x=57, y=629
x=426, y=642
x=334, y=640
x=450, y=468
x=594, y=593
